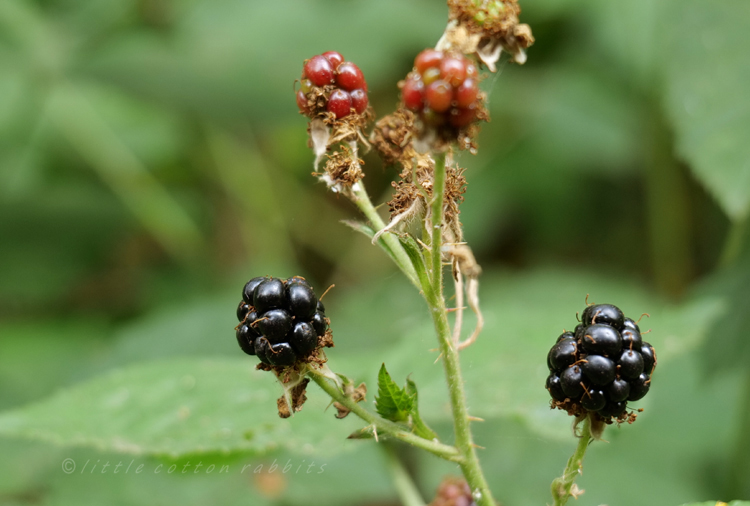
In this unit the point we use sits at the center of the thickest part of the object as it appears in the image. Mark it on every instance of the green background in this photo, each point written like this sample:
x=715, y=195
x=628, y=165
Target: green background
x=152, y=160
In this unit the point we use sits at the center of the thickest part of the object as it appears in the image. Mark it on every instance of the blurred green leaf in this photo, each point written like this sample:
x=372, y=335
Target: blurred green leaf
x=729, y=330
x=392, y=402
x=706, y=97
x=179, y=407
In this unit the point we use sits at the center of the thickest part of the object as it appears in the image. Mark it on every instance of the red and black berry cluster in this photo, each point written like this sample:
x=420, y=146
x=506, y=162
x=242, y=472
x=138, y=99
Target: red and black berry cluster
x=280, y=320
x=341, y=84
x=600, y=366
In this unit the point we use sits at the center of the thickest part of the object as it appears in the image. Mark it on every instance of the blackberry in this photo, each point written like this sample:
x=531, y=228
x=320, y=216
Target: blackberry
x=282, y=321
x=600, y=366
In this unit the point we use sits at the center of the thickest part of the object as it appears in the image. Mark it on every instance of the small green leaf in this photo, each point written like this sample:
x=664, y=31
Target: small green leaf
x=360, y=227
x=369, y=232
x=420, y=428
x=392, y=402
x=417, y=260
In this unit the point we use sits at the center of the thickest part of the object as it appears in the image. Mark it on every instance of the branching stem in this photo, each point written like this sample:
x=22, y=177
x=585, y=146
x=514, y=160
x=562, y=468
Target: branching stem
x=384, y=426
x=436, y=301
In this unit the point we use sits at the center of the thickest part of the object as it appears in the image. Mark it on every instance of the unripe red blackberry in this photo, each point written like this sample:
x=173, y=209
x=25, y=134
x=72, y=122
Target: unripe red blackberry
x=331, y=85
x=443, y=91
x=601, y=366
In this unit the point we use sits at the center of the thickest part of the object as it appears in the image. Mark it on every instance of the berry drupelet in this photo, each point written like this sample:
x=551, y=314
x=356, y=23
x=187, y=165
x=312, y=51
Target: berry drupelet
x=281, y=321
x=329, y=84
x=600, y=366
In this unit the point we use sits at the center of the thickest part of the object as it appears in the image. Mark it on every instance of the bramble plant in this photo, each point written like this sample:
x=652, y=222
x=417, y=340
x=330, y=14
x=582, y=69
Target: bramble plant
x=594, y=370
x=155, y=156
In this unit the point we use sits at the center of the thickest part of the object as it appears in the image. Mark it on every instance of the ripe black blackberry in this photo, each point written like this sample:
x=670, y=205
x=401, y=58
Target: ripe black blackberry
x=281, y=321
x=600, y=366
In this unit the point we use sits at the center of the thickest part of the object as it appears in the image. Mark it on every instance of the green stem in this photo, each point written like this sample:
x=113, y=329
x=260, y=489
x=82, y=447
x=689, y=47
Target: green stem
x=405, y=486
x=435, y=299
x=383, y=426
x=387, y=241
x=561, y=486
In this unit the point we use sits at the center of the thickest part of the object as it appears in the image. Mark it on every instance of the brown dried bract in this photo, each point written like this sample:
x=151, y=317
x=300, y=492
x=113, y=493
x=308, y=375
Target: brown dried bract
x=357, y=395
x=483, y=26
x=283, y=407
x=344, y=168
x=411, y=196
x=574, y=408
x=392, y=137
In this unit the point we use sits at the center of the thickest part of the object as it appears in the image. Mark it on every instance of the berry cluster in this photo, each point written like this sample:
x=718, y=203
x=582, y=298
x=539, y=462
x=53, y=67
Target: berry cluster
x=443, y=89
x=340, y=83
x=281, y=321
x=600, y=366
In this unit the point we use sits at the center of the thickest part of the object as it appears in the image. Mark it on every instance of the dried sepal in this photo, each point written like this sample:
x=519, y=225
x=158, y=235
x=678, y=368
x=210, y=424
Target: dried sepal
x=343, y=168
x=392, y=137
x=487, y=27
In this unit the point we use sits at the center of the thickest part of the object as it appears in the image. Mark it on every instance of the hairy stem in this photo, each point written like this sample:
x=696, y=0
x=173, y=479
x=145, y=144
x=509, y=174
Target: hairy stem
x=388, y=241
x=405, y=486
x=435, y=299
x=383, y=426
x=561, y=487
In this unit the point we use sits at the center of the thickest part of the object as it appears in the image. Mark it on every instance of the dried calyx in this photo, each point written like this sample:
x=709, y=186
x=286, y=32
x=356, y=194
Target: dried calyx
x=487, y=27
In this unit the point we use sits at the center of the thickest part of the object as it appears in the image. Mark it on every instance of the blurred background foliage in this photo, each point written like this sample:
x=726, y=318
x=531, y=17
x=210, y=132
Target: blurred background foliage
x=152, y=160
